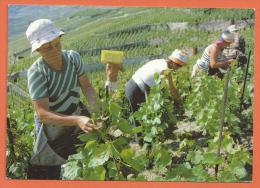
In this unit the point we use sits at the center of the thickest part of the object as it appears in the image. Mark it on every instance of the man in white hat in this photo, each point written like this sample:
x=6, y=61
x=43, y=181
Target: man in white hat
x=54, y=81
x=213, y=59
x=138, y=86
x=236, y=50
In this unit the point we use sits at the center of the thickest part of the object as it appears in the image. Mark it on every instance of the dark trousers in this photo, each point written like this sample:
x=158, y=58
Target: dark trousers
x=134, y=95
x=36, y=172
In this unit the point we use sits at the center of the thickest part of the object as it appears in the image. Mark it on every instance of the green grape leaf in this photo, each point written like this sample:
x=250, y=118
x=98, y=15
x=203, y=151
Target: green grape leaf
x=138, y=129
x=97, y=173
x=112, y=170
x=90, y=136
x=212, y=159
x=200, y=173
x=180, y=170
x=124, y=126
x=195, y=157
x=162, y=157
x=226, y=176
x=138, y=162
x=100, y=156
x=114, y=109
x=240, y=172
x=72, y=170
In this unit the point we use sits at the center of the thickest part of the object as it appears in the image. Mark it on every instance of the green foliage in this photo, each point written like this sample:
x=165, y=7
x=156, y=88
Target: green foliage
x=180, y=172
x=72, y=170
x=195, y=157
x=20, y=136
x=109, y=153
x=98, y=173
x=162, y=157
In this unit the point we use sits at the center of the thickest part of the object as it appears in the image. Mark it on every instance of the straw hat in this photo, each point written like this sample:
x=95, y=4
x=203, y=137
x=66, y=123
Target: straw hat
x=180, y=57
x=228, y=36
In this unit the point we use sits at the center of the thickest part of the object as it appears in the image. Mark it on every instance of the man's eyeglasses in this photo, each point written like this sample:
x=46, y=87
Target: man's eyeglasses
x=49, y=45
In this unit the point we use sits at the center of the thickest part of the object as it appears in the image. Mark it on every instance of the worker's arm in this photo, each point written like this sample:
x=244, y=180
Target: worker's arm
x=173, y=91
x=52, y=118
x=178, y=106
x=213, y=53
x=112, y=71
x=88, y=92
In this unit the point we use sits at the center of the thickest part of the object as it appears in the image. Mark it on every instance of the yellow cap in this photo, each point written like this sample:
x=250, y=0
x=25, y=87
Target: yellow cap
x=112, y=56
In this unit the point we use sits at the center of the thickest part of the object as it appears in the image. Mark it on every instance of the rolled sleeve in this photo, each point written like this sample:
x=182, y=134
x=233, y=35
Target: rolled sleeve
x=37, y=84
x=79, y=64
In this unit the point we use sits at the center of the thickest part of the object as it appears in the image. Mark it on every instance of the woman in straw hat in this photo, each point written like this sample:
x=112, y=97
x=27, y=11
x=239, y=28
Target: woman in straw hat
x=213, y=59
x=54, y=81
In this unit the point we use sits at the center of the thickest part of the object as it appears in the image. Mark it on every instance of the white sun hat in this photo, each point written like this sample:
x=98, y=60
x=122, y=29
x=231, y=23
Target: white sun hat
x=179, y=56
x=232, y=28
x=228, y=36
x=40, y=32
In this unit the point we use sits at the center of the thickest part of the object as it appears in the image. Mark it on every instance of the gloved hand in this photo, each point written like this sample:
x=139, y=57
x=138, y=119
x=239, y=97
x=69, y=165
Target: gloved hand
x=112, y=86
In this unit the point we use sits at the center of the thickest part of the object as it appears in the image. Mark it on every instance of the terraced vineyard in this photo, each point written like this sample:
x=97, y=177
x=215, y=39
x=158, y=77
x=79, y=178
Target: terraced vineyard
x=178, y=147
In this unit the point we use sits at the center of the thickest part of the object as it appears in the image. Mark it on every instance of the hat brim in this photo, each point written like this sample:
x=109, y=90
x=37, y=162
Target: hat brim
x=36, y=44
x=229, y=41
x=177, y=61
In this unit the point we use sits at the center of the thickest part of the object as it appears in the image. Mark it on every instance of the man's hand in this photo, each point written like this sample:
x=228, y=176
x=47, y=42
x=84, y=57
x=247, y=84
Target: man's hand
x=226, y=64
x=85, y=124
